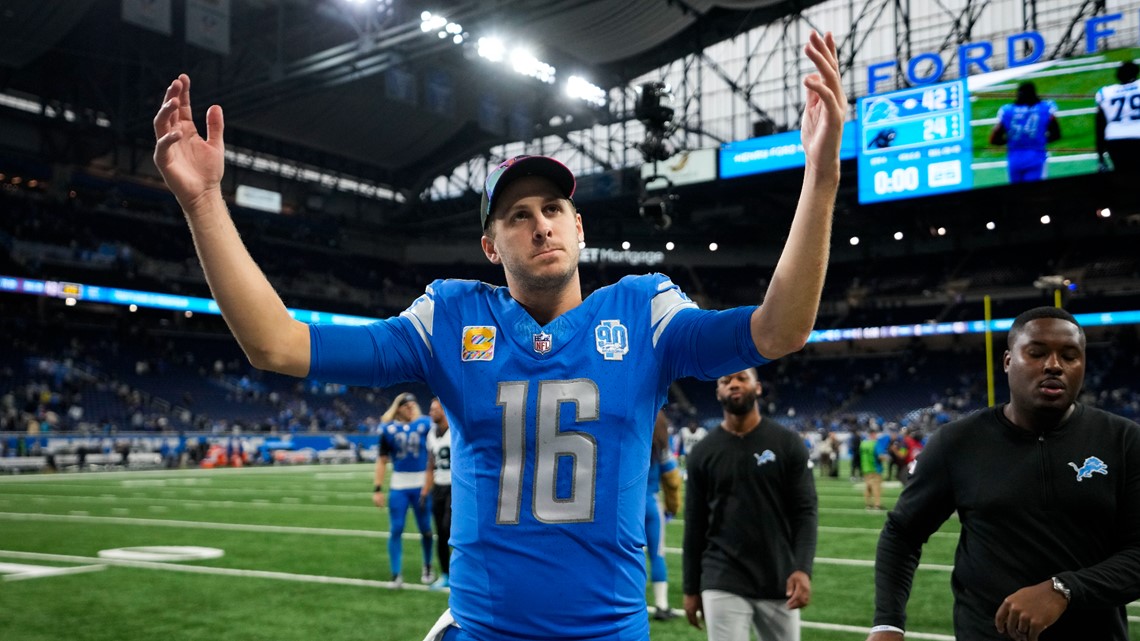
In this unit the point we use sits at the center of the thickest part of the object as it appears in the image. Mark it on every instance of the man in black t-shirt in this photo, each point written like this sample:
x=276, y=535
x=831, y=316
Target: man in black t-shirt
x=751, y=517
x=1046, y=491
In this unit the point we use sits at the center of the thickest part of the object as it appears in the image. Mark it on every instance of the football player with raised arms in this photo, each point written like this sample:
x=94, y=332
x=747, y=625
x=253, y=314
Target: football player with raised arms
x=551, y=396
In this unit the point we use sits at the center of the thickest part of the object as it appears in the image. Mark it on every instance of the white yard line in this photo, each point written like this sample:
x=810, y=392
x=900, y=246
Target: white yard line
x=300, y=470
x=199, y=525
x=314, y=578
x=287, y=503
x=205, y=569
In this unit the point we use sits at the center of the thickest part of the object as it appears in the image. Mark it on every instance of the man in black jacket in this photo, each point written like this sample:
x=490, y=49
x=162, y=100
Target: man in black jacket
x=1046, y=490
x=750, y=522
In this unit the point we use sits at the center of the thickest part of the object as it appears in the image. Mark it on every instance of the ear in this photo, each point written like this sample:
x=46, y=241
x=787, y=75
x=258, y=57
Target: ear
x=1005, y=361
x=578, y=224
x=489, y=250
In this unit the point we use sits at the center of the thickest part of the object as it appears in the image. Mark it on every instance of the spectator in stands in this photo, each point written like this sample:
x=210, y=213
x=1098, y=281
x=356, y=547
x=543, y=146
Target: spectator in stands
x=404, y=441
x=1045, y=489
x=437, y=488
x=535, y=374
x=751, y=518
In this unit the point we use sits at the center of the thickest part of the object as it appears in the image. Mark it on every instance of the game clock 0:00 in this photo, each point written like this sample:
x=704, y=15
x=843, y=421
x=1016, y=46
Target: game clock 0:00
x=914, y=142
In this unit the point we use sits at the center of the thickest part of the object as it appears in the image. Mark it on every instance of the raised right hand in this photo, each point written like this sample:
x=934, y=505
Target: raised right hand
x=191, y=166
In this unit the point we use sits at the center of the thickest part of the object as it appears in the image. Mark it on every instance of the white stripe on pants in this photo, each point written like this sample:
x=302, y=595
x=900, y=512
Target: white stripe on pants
x=729, y=617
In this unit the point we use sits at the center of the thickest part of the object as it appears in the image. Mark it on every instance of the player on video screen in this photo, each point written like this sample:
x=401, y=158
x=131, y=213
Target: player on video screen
x=1025, y=127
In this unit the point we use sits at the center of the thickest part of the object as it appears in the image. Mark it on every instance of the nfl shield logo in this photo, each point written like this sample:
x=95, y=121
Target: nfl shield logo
x=542, y=342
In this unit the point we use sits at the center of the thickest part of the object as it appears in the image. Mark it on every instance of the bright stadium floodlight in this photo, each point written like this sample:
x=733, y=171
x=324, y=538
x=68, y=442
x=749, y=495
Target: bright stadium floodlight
x=524, y=62
x=431, y=22
x=898, y=235
x=491, y=48
x=582, y=89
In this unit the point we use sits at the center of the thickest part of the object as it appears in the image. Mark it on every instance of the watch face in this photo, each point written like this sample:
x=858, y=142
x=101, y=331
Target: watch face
x=1061, y=587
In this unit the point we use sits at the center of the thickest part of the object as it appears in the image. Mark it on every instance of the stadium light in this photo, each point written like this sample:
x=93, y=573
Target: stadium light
x=491, y=48
x=1045, y=220
x=713, y=247
x=582, y=89
x=432, y=22
x=898, y=235
x=941, y=231
x=524, y=62
x=991, y=226
x=854, y=241
x=669, y=246
x=1104, y=213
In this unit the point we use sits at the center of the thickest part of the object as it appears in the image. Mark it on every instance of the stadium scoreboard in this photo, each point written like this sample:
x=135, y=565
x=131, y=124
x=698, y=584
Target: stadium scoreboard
x=915, y=142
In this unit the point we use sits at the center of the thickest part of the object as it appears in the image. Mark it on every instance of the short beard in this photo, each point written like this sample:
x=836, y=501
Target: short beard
x=553, y=282
x=739, y=408
x=549, y=283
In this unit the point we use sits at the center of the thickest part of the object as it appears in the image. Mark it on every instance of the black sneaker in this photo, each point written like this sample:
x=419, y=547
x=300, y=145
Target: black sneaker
x=664, y=614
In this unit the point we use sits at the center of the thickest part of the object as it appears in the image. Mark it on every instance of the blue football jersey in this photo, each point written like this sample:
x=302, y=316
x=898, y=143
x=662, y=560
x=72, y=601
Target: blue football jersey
x=552, y=427
x=406, y=444
x=1026, y=125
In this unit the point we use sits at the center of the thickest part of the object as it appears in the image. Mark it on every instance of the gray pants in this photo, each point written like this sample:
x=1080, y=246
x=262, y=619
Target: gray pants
x=729, y=617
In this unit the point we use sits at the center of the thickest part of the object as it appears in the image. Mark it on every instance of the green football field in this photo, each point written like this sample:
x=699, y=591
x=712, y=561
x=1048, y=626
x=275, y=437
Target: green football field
x=1072, y=84
x=304, y=557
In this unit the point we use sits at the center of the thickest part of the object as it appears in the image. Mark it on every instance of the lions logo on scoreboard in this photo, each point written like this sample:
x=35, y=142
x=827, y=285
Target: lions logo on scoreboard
x=612, y=339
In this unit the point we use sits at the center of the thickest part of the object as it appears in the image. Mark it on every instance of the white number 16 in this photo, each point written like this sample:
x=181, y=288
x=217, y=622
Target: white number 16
x=550, y=445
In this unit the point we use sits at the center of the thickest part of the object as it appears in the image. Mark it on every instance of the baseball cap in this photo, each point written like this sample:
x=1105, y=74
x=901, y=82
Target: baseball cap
x=406, y=397
x=518, y=167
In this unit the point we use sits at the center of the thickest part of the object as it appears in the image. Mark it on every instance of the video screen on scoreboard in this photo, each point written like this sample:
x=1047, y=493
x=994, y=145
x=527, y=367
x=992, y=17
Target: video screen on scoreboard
x=941, y=138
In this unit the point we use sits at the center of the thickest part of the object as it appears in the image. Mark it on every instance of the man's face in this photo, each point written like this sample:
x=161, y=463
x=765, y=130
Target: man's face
x=1046, y=365
x=738, y=392
x=534, y=234
x=436, y=411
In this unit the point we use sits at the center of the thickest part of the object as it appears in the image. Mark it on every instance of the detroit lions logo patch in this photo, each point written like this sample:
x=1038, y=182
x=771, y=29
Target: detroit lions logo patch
x=767, y=457
x=1092, y=465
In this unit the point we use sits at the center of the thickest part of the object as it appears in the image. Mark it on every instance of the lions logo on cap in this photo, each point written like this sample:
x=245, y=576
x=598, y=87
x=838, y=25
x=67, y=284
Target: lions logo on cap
x=478, y=343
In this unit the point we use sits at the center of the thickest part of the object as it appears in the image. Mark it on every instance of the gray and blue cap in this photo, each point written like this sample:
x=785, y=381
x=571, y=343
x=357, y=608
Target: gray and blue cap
x=520, y=166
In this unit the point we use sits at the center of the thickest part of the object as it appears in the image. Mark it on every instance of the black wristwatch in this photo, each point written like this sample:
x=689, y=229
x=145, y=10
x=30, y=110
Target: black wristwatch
x=379, y=488
x=1063, y=589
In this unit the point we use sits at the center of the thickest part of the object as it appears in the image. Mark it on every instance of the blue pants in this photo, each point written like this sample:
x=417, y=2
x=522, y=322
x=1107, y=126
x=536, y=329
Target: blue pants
x=398, y=503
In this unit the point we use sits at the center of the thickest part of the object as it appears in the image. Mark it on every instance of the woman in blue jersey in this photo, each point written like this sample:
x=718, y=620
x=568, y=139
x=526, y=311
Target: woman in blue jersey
x=403, y=441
